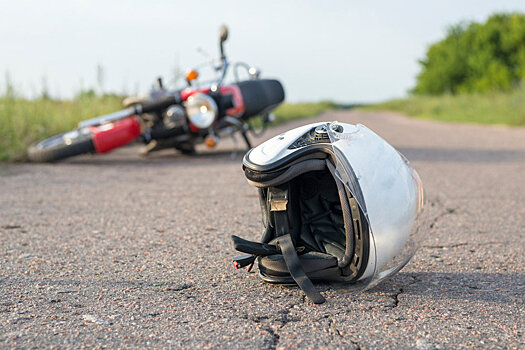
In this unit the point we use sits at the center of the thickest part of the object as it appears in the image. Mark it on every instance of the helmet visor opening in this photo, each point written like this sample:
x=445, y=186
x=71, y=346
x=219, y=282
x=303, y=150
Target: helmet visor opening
x=328, y=229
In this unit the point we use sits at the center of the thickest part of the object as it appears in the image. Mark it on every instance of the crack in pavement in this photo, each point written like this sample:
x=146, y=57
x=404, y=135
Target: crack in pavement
x=401, y=290
x=275, y=338
x=274, y=323
x=462, y=244
x=395, y=296
x=282, y=318
x=337, y=332
x=178, y=288
x=448, y=211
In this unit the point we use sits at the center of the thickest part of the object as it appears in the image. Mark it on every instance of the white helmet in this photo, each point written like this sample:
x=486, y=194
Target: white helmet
x=339, y=204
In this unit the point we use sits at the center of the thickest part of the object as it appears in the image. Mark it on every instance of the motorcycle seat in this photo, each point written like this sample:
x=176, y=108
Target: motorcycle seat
x=260, y=96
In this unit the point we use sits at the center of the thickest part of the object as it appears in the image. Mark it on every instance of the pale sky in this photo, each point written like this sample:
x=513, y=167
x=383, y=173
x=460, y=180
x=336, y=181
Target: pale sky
x=347, y=51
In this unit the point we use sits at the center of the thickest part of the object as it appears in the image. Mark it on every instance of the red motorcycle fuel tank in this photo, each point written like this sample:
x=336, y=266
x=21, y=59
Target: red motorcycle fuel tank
x=112, y=135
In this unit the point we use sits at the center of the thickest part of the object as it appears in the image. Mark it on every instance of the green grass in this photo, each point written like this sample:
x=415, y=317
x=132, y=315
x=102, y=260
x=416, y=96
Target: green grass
x=288, y=111
x=488, y=108
x=23, y=122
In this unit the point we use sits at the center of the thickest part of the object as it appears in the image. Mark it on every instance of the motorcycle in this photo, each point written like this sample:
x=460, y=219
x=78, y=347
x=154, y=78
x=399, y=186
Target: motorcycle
x=180, y=119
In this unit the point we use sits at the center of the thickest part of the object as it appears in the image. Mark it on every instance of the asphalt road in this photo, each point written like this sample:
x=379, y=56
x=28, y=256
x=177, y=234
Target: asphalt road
x=120, y=251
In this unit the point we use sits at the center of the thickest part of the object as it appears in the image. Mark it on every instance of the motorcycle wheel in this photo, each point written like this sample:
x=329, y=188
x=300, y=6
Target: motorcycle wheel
x=61, y=146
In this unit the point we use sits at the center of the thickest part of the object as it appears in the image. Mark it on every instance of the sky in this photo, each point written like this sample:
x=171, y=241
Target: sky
x=346, y=51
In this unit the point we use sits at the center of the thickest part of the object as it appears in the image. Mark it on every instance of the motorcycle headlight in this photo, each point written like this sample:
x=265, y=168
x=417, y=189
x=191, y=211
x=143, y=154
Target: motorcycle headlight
x=202, y=110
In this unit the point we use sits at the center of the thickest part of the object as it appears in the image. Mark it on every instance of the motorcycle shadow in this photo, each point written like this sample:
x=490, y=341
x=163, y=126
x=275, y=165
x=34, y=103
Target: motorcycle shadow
x=131, y=156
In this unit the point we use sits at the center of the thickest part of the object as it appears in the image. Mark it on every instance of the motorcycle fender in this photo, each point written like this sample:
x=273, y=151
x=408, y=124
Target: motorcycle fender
x=112, y=135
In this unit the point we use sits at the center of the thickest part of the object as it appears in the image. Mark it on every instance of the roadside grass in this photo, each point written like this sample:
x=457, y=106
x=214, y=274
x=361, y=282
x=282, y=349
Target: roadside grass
x=292, y=111
x=23, y=122
x=487, y=108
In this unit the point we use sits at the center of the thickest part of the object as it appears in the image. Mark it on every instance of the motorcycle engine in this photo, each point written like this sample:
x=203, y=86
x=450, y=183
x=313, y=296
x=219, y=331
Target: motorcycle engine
x=174, y=116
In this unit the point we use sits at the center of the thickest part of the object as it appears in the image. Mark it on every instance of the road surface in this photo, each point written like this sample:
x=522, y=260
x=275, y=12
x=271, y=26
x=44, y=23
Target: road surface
x=120, y=251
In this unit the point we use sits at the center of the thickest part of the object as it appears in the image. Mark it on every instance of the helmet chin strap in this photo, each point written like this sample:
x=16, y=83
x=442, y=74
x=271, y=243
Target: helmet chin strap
x=278, y=202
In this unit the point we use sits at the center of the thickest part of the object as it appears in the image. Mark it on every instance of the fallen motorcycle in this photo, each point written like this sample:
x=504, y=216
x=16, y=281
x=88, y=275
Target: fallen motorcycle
x=180, y=119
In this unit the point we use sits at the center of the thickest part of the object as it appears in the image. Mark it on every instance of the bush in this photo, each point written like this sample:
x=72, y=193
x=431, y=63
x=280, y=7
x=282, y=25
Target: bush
x=476, y=58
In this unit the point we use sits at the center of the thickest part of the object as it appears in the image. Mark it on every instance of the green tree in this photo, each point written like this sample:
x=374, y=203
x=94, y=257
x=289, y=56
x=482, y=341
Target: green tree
x=476, y=57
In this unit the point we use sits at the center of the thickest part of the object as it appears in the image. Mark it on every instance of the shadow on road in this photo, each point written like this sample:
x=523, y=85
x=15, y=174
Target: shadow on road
x=423, y=154
x=165, y=158
x=478, y=286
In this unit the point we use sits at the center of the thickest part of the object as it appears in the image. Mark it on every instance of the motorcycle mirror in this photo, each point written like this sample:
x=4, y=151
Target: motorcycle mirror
x=223, y=33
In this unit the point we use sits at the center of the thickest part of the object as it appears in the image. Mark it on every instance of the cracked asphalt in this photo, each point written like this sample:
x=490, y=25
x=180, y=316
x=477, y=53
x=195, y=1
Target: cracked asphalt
x=118, y=251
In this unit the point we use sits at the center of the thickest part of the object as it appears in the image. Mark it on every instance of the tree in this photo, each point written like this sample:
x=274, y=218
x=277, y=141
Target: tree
x=476, y=57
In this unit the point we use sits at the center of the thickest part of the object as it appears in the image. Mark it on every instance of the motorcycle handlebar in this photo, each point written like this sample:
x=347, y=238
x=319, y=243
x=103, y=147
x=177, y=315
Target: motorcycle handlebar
x=148, y=107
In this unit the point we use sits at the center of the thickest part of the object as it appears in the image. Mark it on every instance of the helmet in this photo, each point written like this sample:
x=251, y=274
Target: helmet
x=338, y=203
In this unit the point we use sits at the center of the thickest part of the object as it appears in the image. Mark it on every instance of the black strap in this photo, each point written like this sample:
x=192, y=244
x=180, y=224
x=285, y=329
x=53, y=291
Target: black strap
x=255, y=248
x=296, y=269
x=292, y=260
